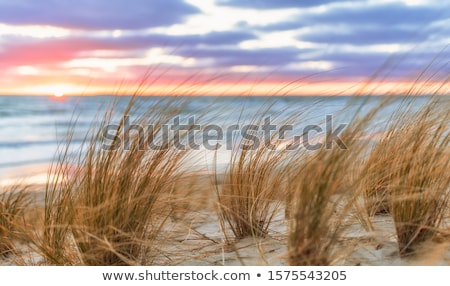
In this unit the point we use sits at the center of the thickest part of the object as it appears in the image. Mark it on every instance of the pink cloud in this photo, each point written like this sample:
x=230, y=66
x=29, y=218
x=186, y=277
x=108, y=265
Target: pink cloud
x=47, y=52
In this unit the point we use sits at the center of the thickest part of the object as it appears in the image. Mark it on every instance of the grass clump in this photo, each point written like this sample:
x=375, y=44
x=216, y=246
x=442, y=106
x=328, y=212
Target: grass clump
x=104, y=206
x=377, y=172
x=322, y=190
x=419, y=188
x=251, y=193
x=319, y=206
x=13, y=205
x=252, y=190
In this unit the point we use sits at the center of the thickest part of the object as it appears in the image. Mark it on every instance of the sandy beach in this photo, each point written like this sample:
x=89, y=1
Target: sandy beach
x=192, y=236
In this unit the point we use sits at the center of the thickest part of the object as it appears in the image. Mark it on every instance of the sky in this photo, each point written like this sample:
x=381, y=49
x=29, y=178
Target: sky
x=215, y=47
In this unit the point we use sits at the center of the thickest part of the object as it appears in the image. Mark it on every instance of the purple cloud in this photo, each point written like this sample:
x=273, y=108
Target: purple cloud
x=367, y=36
x=88, y=14
x=211, y=39
x=231, y=57
x=273, y=4
x=382, y=16
x=357, y=25
x=25, y=51
x=396, y=65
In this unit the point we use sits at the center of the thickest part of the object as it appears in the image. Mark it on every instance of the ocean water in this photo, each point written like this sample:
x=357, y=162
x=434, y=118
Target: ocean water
x=31, y=127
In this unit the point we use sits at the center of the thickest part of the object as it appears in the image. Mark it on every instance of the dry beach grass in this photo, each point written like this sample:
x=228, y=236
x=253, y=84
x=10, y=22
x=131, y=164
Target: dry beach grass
x=330, y=206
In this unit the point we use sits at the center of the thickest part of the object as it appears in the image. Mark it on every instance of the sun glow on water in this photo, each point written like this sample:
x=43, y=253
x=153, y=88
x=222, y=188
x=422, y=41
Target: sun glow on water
x=58, y=94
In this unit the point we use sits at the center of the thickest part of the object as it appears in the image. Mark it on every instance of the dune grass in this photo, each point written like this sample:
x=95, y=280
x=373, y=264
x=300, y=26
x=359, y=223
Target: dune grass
x=376, y=176
x=406, y=174
x=322, y=192
x=110, y=205
x=252, y=192
x=419, y=175
x=13, y=204
x=104, y=206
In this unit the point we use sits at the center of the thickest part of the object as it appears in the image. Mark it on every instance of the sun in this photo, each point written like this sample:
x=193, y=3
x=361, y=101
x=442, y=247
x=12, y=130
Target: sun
x=58, y=94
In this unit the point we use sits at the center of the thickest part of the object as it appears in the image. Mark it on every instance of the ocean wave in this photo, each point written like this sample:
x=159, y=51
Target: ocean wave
x=27, y=144
x=25, y=162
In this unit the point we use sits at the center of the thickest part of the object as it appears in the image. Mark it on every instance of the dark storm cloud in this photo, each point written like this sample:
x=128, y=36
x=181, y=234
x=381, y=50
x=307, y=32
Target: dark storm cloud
x=274, y=4
x=89, y=14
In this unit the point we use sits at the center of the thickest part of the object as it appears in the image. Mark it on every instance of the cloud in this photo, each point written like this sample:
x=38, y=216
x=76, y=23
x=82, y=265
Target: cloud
x=232, y=56
x=212, y=39
x=273, y=4
x=366, y=36
x=24, y=51
x=51, y=51
x=364, y=64
x=347, y=40
x=88, y=14
x=380, y=16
